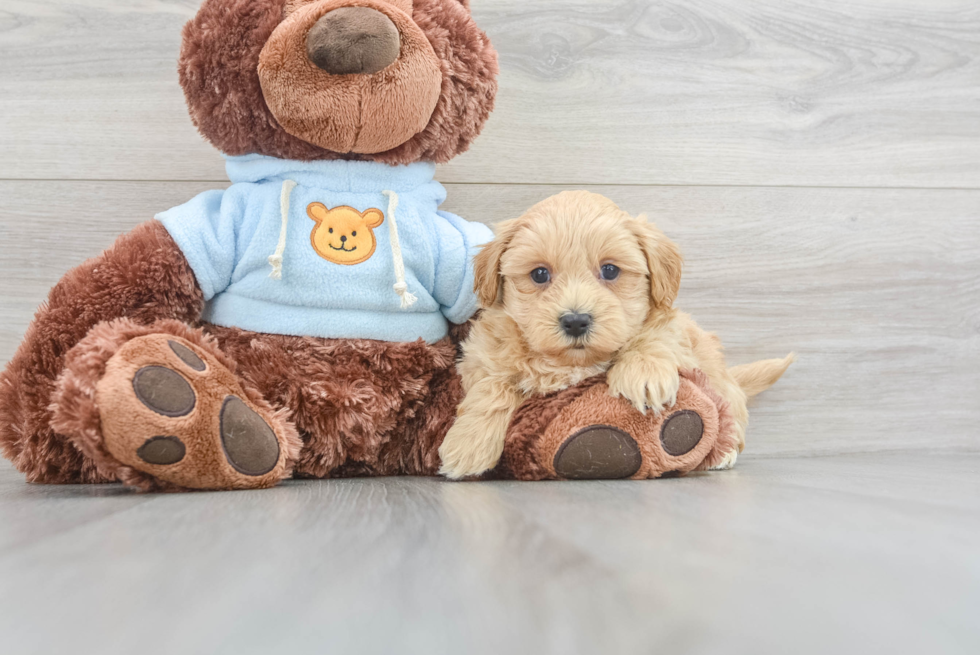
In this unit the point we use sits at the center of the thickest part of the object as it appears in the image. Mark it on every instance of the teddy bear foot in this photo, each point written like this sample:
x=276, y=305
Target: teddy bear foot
x=583, y=433
x=605, y=452
x=172, y=411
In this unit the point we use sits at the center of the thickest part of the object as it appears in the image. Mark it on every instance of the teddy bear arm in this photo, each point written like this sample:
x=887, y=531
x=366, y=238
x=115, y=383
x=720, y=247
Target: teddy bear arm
x=143, y=276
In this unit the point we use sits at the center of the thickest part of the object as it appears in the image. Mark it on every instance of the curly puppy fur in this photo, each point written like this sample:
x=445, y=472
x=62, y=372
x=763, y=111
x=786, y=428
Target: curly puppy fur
x=219, y=74
x=517, y=349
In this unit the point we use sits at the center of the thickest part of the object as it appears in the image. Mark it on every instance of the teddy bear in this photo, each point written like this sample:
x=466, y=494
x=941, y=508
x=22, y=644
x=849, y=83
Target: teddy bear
x=305, y=320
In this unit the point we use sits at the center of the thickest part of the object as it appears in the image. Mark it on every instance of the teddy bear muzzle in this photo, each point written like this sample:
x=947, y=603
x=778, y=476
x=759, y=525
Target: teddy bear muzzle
x=351, y=76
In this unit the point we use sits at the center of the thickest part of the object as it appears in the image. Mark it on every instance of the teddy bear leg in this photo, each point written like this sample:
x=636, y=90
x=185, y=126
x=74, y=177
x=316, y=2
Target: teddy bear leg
x=584, y=433
x=159, y=407
x=362, y=407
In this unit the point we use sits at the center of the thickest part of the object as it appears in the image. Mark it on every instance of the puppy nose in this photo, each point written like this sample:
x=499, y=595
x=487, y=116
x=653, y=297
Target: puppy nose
x=343, y=239
x=575, y=325
x=353, y=40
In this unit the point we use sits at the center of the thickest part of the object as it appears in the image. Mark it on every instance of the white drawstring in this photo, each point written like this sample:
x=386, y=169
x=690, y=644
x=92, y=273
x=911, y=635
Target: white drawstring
x=401, y=288
x=275, y=259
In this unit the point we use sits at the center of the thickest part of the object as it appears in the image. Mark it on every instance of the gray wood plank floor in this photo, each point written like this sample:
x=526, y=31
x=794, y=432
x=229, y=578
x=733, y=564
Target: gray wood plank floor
x=819, y=164
x=846, y=554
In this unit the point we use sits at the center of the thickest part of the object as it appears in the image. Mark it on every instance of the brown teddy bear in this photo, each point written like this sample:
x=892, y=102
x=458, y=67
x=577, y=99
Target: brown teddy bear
x=305, y=320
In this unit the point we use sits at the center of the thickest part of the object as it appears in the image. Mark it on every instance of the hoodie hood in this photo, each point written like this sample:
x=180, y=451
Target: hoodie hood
x=337, y=175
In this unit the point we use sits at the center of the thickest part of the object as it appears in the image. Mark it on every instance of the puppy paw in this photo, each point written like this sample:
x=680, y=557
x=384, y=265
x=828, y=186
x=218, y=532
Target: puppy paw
x=727, y=463
x=646, y=384
x=467, y=452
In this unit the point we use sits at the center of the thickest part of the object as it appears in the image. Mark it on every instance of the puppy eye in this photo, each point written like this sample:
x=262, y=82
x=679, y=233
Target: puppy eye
x=331, y=230
x=609, y=272
x=353, y=234
x=541, y=275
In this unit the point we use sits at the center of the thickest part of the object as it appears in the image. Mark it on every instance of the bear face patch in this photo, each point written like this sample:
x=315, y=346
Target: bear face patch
x=343, y=235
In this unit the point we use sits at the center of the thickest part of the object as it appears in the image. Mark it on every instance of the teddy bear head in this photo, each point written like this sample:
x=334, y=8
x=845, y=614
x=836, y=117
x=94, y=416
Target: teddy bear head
x=393, y=81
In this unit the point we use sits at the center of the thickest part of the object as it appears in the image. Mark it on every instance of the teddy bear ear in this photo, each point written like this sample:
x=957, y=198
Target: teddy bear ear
x=373, y=218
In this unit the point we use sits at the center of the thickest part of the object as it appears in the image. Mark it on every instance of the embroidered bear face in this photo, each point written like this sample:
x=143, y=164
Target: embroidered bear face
x=343, y=235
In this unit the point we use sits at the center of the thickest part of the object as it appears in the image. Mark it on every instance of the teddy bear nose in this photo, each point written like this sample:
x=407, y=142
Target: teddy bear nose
x=343, y=239
x=352, y=41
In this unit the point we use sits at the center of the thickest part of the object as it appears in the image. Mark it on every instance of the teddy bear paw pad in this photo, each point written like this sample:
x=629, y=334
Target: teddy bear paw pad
x=164, y=391
x=162, y=450
x=170, y=409
x=598, y=452
x=681, y=432
x=249, y=442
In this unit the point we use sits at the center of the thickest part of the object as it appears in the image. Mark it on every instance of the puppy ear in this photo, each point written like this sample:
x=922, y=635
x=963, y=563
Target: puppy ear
x=664, y=261
x=487, y=280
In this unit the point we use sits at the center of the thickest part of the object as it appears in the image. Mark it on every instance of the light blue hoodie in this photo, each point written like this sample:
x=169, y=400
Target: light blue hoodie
x=268, y=254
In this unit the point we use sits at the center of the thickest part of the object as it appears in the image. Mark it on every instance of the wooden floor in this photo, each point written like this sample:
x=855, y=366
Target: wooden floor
x=818, y=161
x=873, y=553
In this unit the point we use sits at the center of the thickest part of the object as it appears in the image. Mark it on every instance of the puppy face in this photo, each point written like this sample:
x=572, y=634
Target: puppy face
x=579, y=276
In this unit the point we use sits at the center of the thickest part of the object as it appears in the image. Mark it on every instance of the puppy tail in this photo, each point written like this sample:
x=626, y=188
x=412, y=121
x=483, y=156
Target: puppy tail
x=758, y=376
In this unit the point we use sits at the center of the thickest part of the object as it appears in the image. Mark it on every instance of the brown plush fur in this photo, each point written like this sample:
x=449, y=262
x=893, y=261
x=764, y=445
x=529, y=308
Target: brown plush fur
x=363, y=114
x=361, y=407
x=143, y=276
x=76, y=412
x=542, y=424
x=219, y=73
x=520, y=459
x=371, y=407
x=728, y=435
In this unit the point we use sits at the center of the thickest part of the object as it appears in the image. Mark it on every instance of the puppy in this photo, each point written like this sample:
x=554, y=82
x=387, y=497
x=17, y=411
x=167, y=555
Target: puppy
x=574, y=288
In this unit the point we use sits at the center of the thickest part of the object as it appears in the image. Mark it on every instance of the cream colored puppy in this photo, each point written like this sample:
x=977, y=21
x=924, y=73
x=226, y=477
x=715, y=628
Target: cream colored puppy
x=574, y=288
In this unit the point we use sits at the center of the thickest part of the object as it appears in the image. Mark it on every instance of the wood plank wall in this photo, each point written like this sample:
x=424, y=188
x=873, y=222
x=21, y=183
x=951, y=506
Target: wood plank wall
x=818, y=162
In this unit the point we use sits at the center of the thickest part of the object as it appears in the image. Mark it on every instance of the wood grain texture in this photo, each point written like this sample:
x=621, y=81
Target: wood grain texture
x=847, y=554
x=878, y=291
x=826, y=92
x=693, y=112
